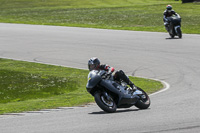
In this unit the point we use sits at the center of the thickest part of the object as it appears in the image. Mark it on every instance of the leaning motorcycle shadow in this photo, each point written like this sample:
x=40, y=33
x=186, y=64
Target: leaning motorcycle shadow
x=169, y=38
x=118, y=111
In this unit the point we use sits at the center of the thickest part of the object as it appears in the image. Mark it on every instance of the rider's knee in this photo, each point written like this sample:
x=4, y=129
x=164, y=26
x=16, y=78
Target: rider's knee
x=120, y=75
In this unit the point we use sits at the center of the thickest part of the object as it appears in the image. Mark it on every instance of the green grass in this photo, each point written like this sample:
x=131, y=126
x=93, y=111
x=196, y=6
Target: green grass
x=26, y=86
x=139, y=15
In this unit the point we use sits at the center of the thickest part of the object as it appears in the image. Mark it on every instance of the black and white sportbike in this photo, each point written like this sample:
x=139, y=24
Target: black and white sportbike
x=110, y=94
x=174, y=27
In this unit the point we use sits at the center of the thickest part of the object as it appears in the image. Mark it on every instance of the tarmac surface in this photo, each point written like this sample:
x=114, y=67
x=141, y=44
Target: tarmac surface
x=145, y=54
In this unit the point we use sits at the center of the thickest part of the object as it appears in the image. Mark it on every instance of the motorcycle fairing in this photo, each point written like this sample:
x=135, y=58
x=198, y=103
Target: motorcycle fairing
x=93, y=80
x=124, y=98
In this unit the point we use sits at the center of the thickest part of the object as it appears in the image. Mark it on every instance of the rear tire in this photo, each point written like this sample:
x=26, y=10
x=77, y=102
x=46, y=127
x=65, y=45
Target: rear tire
x=144, y=101
x=108, y=106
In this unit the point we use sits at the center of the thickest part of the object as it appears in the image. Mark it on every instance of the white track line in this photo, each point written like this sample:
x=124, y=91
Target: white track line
x=166, y=87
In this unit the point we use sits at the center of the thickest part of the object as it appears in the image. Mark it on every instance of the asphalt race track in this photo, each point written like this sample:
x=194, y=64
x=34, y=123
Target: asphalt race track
x=145, y=54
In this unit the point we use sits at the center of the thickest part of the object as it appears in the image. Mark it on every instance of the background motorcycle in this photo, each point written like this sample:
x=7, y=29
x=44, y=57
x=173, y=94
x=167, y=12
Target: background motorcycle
x=175, y=26
x=110, y=95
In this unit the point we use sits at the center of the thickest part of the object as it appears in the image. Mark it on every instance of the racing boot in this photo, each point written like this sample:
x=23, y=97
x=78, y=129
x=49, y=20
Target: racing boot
x=121, y=75
x=131, y=84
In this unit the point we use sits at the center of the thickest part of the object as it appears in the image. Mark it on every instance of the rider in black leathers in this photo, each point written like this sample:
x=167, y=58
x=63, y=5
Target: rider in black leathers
x=168, y=13
x=94, y=64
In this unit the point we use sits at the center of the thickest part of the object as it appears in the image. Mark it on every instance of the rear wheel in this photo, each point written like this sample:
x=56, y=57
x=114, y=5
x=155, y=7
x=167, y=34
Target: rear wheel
x=105, y=103
x=144, y=101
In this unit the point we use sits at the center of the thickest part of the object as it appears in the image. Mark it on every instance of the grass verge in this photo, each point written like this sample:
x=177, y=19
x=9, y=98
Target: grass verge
x=138, y=15
x=26, y=86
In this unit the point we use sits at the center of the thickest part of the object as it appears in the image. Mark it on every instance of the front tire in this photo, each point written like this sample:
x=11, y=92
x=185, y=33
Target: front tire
x=179, y=32
x=144, y=101
x=172, y=35
x=108, y=106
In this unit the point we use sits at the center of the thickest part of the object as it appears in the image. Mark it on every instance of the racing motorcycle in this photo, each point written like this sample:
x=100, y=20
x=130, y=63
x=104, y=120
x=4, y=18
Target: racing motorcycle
x=174, y=26
x=110, y=94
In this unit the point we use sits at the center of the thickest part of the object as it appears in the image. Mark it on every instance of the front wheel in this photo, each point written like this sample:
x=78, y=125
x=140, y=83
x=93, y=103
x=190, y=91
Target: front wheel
x=106, y=103
x=172, y=35
x=144, y=100
x=179, y=32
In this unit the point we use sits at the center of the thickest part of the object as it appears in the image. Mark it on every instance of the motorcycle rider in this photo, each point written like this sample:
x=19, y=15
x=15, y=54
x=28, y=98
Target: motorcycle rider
x=168, y=13
x=94, y=64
